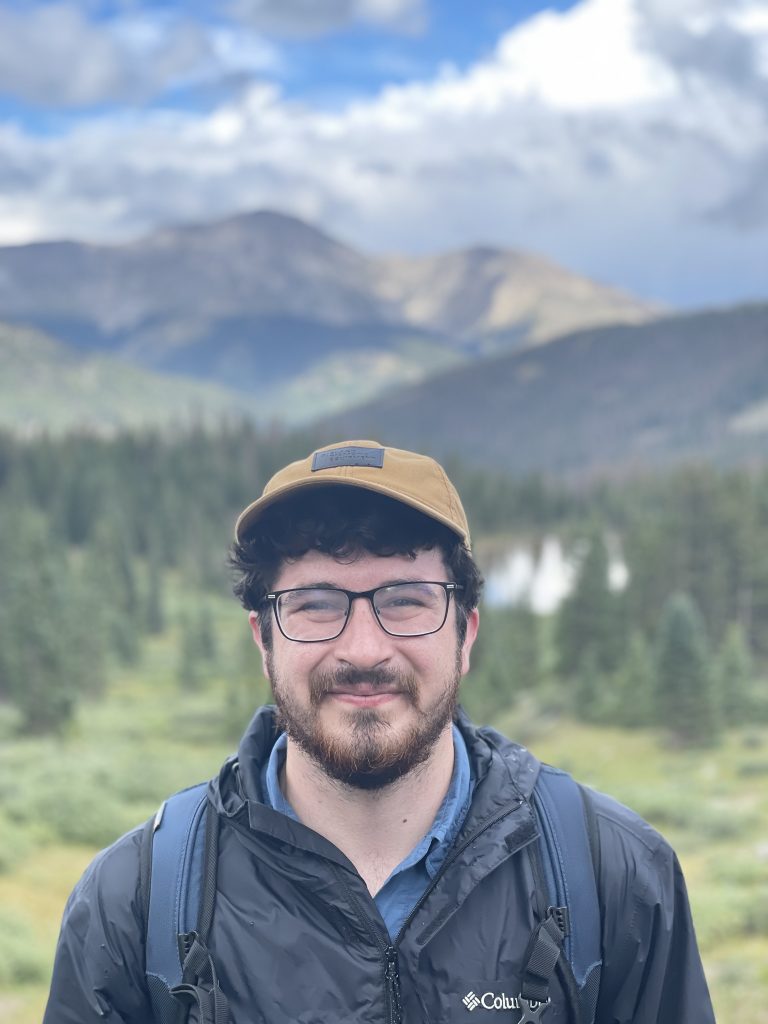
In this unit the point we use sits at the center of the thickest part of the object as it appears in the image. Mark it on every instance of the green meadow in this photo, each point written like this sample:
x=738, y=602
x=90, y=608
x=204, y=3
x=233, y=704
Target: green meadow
x=63, y=798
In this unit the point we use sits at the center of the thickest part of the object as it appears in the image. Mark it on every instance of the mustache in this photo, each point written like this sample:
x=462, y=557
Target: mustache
x=323, y=682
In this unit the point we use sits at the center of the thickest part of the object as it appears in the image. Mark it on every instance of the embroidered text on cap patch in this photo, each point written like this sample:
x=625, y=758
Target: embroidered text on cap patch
x=349, y=455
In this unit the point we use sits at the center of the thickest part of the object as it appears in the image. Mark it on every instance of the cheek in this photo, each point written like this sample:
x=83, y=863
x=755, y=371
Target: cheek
x=293, y=665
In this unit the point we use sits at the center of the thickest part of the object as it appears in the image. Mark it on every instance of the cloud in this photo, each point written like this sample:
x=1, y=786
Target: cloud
x=55, y=56
x=313, y=17
x=619, y=138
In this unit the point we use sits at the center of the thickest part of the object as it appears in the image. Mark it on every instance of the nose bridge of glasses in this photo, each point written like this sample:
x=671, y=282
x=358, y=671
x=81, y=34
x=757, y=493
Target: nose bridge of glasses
x=367, y=599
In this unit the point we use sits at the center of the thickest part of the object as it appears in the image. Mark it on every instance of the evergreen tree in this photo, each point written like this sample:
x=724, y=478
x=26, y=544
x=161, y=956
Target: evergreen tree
x=48, y=660
x=524, y=658
x=247, y=689
x=734, y=673
x=589, y=689
x=686, y=695
x=155, y=618
x=206, y=635
x=635, y=687
x=190, y=667
x=589, y=623
x=110, y=574
x=489, y=688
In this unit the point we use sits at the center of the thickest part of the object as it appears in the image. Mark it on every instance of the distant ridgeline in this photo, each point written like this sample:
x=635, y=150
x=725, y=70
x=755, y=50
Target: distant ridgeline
x=94, y=532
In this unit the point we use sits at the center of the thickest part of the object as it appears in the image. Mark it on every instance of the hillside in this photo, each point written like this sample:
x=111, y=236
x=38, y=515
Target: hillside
x=273, y=307
x=606, y=401
x=45, y=384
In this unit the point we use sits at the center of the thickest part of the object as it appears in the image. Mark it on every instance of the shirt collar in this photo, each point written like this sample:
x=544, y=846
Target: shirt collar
x=445, y=826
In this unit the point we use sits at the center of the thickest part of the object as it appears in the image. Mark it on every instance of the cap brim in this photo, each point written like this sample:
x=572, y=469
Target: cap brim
x=250, y=515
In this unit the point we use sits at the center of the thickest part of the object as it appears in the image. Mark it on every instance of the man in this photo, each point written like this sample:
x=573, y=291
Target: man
x=375, y=849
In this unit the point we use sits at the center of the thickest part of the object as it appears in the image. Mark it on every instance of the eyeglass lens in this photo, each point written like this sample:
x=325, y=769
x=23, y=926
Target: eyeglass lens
x=404, y=609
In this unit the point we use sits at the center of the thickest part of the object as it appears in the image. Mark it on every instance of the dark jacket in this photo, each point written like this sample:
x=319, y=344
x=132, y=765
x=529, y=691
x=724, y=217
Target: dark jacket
x=297, y=938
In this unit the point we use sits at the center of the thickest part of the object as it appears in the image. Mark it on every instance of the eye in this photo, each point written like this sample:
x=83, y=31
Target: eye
x=408, y=599
x=313, y=603
x=403, y=600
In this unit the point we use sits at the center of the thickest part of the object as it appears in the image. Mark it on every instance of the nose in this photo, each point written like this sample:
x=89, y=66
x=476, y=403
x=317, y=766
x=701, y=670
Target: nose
x=363, y=643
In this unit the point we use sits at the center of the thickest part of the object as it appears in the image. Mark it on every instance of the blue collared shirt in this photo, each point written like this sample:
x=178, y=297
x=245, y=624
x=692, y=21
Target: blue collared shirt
x=409, y=880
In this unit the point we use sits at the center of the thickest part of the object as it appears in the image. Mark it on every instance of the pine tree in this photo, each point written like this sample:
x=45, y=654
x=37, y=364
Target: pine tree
x=206, y=635
x=734, y=673
x=190, y=667
x=246, y=687
x=589, y=689
x=48, y=659
x=635, y=686
x=589, y=622
x=524, y=659
x=155, y=615
x=110, y=575
x=686, y=694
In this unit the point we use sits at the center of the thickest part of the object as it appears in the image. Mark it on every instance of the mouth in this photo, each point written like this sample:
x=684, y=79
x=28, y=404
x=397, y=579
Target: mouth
x=364, y=694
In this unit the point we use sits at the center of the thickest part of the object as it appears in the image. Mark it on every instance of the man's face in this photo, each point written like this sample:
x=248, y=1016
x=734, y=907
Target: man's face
x=367, y=707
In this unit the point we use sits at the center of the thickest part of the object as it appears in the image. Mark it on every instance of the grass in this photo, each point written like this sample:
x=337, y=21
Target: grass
x=61, y=799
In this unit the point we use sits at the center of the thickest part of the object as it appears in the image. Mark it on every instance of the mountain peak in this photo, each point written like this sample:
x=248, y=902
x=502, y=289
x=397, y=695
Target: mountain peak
x=278, y=229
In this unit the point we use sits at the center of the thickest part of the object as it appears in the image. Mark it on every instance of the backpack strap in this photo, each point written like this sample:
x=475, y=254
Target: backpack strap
x=572, y=925
x=179, y=861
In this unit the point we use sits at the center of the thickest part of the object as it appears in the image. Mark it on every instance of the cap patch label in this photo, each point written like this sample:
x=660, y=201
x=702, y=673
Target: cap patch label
x=351, y=455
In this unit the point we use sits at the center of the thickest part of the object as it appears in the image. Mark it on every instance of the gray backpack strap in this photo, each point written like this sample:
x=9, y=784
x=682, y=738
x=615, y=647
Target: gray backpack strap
x=573, y=924
x=172, y=894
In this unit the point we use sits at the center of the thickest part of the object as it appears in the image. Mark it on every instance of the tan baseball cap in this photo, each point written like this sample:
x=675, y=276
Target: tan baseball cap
x=416, y=480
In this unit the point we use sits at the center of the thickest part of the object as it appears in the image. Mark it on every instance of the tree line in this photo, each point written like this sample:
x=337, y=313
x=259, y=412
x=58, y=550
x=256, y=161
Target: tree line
x=93, y=528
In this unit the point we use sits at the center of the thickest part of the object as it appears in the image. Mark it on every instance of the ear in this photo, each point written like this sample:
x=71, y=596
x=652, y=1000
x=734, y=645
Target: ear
x=473, y=622
x=253, y=622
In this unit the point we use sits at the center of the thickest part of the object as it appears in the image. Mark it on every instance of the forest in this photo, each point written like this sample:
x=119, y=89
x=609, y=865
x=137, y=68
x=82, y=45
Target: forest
x=93, y=531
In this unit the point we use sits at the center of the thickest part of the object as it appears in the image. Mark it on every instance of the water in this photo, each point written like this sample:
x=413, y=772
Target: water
x=542, y=576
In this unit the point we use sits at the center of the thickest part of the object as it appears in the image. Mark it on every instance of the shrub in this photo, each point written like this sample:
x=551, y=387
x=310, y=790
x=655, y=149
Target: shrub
x=21, y=959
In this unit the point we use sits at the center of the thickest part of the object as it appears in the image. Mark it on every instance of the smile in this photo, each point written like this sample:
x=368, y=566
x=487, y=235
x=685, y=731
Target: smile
x=364, y=696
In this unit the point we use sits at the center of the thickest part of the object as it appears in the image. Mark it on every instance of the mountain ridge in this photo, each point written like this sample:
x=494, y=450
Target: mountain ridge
x=602, y=402
x=200, y=299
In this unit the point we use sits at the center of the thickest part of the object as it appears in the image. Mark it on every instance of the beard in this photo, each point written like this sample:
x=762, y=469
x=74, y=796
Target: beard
x=365, y=752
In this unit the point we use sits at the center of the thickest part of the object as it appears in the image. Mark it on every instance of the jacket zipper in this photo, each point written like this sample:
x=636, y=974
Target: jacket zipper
x=391, y=971
x=392, y=977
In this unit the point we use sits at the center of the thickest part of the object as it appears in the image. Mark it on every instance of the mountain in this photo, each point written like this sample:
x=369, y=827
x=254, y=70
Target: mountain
x=47, y=385
x=273, y=307
x=493, y=298
x=601, y=402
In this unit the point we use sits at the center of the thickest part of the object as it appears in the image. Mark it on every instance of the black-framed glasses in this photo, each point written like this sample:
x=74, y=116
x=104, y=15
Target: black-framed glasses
x=313, y=614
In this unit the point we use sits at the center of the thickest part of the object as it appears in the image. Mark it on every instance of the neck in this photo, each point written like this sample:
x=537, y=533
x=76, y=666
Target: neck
x=375, y=829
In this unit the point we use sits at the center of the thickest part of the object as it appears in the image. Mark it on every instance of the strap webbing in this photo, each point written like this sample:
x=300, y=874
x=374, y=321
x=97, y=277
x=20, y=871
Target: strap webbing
x=544, y=950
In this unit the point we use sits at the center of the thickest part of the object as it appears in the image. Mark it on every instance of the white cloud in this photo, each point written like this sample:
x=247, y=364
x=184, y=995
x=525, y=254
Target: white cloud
x=585, y=59
x=584, y=135
x=55, y=56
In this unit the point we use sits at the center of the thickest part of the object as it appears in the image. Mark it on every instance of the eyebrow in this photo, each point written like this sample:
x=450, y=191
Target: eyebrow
x=327, y=585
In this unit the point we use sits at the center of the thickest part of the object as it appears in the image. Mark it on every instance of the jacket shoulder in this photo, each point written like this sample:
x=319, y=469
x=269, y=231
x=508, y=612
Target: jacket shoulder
x=99, y=965
x=619, y=824
x=112, y=878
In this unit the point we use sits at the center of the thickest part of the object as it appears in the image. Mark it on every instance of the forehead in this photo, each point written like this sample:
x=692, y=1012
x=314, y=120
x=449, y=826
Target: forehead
x=360, y=572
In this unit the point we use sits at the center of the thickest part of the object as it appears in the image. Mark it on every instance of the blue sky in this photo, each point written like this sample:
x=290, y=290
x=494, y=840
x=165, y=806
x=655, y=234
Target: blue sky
x=626, y=139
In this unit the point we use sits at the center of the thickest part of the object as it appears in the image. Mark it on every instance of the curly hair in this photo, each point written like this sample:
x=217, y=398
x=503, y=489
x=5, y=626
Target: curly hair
x=344, y=521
